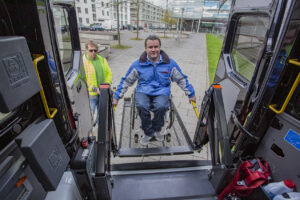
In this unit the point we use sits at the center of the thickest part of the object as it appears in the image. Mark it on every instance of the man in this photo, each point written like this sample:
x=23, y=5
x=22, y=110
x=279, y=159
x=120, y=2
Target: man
x=154, y=71
x=97, y=72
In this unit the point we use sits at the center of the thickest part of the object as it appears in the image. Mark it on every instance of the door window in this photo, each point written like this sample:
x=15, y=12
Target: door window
x=63, y=37
x=248, y=43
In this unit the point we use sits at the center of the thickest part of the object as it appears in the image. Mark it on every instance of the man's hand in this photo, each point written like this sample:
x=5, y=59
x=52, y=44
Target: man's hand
x=192, y=99
x=115, y=102
x=98, y=91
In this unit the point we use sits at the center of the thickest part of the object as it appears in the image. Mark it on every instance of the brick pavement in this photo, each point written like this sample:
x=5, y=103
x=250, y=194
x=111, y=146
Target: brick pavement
x=190, y=54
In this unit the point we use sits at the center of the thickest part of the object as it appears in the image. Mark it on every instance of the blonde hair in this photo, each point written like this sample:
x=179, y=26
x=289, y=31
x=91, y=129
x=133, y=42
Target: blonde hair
x=91, y=43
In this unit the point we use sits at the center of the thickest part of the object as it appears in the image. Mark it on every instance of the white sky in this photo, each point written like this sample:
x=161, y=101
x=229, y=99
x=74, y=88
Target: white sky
x=161, y=3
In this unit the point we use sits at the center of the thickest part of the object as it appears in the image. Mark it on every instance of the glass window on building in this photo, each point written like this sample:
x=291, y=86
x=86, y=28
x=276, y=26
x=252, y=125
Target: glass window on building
x=115, y=16
x=94, y=17
x=87, y=20
x=102, y=12
x=78, y=9
x=125, y=17
x=102, y=3
x=80, y=20
x=93, y=8
x=107, y=13
x=86, y=10
x=248, y=43
x=107, y=5
x=92, y=0
x=85, y=1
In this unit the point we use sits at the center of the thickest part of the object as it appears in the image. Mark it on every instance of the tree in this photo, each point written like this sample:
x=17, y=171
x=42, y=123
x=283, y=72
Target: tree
x=116, y=3
x=168, y=20
x=137, y=4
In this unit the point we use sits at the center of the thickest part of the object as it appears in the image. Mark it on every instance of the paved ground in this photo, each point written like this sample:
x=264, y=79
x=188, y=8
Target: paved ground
x=190, y=54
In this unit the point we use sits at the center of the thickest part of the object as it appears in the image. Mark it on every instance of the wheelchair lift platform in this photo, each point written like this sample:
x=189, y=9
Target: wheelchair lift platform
x=176, y=142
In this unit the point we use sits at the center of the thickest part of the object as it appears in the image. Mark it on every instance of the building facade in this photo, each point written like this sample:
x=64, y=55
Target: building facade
x=149, y=14
x=104, y=13
x=86, y=12
x=215, y=16
x=124, y=13
x=190, y=11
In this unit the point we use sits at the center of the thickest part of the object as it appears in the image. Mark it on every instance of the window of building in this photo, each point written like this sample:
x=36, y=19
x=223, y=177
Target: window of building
x=92, y=0
x=94, y=17
x=87, y=20
x=107, y=5
x=93, y=8
x=85, y=1
x=115, y=16
x=107, y=13
x=102, y=12
x=102, y=3
x=80, y=20
x=86, y=10
x=125, y=17
x=78, y=9
x=248, y=43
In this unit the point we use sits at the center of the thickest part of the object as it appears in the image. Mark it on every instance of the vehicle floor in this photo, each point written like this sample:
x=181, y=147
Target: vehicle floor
x=182, y=183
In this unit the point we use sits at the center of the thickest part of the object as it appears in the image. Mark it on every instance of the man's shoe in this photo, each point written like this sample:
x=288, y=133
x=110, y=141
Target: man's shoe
x=159, y=137
x=145, y=140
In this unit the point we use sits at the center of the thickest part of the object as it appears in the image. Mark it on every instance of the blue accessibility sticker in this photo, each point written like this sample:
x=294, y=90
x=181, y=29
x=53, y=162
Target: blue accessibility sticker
x=293, y=138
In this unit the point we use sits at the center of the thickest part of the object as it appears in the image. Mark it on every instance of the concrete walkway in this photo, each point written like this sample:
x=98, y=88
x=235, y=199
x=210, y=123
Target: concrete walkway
x=190, y=54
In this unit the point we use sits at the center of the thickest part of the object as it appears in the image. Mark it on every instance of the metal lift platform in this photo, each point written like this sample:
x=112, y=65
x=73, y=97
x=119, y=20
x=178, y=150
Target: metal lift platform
x=176, y=142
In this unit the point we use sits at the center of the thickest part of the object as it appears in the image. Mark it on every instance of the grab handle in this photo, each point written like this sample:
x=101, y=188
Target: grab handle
x=195, y=109
x=42, y=93
x=289, y=96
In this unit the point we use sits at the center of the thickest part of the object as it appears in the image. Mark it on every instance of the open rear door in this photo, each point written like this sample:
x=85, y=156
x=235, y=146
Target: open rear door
x=246, y=50
x=244, y=45
x=249, y=45
x=247, y=65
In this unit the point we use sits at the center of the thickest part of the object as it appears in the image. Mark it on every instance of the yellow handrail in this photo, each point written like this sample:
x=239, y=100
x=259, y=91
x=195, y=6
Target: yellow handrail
x=272, y=107
x=114, y=89
x=295, y=62
x=42, y=93
x=195, y=109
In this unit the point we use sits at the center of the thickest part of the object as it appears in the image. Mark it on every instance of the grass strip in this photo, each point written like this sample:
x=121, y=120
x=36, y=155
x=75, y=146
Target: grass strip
x=120, y=46
x=214, y=46
x=136, y=38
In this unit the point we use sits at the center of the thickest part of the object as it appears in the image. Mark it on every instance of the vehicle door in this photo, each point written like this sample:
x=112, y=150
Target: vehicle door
x=244, y=45
x=68, y=41
x=243, y=61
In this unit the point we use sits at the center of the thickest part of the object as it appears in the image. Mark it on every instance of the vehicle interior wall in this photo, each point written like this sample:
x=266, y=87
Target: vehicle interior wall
x=11, y=24
x=15, y=21
x=278, y=145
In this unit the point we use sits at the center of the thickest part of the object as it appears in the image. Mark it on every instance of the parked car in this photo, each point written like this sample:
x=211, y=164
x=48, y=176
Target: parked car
x=64, y=28
x=96, y=28
x=83, y=27
x=140, y=28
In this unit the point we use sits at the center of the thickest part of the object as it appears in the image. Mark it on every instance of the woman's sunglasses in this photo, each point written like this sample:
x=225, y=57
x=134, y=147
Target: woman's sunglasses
x=93, y=50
